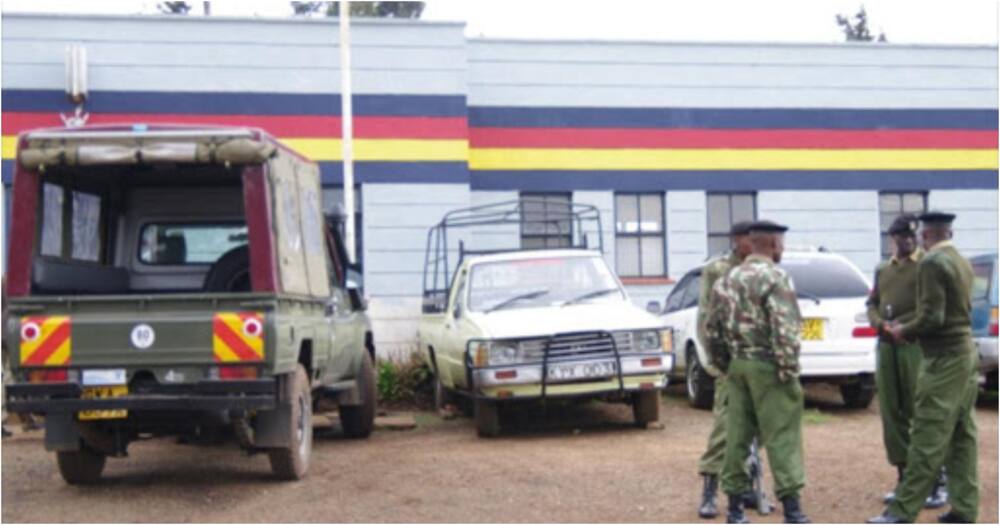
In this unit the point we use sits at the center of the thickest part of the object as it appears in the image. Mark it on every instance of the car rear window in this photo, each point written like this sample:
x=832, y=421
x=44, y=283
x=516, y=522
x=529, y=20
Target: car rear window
x=983, y=271
x=825, y=278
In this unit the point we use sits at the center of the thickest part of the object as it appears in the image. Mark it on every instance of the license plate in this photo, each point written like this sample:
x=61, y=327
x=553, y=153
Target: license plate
x=104, y=377
x=812, y=330
x=103, y=392
x=572, y=371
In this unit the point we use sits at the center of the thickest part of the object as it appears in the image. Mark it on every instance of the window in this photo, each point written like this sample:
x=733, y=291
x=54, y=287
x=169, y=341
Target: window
x=639, y=238
x=75, y=212
x=676, y=299
x=824, y=277
x=724, y=209
x=892, y=205
x=189, y=243
x=546, y=220
x=333, y=202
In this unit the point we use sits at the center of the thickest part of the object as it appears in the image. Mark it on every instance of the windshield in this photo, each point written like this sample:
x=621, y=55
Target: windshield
x=540, y=282
x=824, y=278
x=983, y=272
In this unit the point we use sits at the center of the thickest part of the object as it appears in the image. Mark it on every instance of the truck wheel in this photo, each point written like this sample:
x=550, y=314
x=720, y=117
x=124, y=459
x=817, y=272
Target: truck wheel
x=860, y=393
x=81, y=467
x=230, y=273
x=359, y=421
x=700, y=385
x=487, y=415
x=646, y=407
x=291, y=463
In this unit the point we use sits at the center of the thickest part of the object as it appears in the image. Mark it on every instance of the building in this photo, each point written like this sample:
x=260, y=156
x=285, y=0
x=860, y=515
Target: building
x=672, y=141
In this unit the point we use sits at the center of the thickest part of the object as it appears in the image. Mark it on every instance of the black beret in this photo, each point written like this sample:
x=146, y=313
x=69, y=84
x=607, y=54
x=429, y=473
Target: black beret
x=905, y=223
x=740, y=228
x=937, y=217
x=767, y=226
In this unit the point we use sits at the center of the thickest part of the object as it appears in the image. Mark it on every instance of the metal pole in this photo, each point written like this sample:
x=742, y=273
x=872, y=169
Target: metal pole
x=347, y=126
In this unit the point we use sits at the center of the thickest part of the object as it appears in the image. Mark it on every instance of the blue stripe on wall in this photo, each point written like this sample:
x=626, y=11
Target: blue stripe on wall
x=732, y=180
x=7, y=171
x=237, y=103
x=733, y=118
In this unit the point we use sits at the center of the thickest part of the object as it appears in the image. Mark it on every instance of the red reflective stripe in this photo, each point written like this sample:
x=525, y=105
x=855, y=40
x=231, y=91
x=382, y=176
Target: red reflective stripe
x=233, y=341
x=49, y=346
x=730, y=139
x=257, y=203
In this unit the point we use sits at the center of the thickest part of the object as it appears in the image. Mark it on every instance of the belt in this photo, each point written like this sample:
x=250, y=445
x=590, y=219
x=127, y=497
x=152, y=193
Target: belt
x=755, y=354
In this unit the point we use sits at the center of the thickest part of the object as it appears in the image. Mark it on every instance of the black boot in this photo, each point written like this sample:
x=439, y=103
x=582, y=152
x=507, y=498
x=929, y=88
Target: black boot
x=707, y=510
x=886, y=517
x=952, y=517
x=793, y=511
x=735, y=514
x=939, y=494
x=899, y=481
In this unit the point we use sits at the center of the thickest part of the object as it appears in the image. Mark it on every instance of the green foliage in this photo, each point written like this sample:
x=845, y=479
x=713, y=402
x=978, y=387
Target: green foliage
x=407, y=381
x=361, y=9
x=813, y=416
x=858, y=30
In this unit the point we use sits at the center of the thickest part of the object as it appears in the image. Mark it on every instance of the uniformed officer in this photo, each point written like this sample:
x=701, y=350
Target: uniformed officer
x=760, y=321
x=710, y=464
x=894, y=298
x=944, y=428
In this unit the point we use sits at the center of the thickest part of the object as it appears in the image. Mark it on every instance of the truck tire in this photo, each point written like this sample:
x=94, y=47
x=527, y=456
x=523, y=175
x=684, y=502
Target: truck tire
x=81, y=467
x=487, y=415
x=230, y=273
x=359, y=421
x=646, y=407
x=858, y=394
x=291, y=463
x=700, y=385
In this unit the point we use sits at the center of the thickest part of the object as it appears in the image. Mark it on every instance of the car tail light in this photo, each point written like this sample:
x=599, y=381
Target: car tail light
x=864, y=331
x=237, y=372
x=57, y=375
x=993, y=322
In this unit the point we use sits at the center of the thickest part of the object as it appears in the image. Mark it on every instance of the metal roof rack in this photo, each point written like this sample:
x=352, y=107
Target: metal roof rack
x=567, y=221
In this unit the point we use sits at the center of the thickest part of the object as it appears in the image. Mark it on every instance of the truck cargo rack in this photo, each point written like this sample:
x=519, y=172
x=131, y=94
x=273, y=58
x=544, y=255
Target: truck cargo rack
x=575, y=222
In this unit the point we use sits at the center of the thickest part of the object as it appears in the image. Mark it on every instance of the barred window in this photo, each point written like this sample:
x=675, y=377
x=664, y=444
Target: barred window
x=546, y=220
x=639, y=235
x=724, y=209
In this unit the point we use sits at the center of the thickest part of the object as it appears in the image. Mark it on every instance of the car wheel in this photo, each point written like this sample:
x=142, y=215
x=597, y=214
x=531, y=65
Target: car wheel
x=487, y=415
x=359, y=421
x=700, y=385
x=858, y=394
x=646, y=407
x=292, y=462
x=81, y=467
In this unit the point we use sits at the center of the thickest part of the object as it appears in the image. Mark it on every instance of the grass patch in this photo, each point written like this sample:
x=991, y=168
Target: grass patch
x=813, y=416
x=406, y=382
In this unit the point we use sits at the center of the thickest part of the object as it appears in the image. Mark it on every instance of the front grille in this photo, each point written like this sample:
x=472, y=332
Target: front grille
x=577, y=346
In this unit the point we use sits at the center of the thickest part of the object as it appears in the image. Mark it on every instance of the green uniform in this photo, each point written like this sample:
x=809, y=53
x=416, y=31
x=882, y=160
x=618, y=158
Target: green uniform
x=711, y=460
x=944, y=428
x=759, y=320
x=894, y=298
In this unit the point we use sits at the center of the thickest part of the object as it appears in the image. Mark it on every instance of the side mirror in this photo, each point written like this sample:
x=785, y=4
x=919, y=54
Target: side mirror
x=653, y=307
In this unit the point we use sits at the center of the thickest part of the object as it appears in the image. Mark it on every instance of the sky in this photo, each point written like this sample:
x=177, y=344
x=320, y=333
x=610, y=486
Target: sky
x=902, y=21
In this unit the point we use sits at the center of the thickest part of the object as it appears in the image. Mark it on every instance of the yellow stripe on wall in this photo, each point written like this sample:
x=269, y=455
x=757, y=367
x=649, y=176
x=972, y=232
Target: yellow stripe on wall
x=8, y=147
x=729, y=159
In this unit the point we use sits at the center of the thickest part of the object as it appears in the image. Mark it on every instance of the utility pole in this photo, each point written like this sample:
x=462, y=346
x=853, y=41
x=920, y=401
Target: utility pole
x=347, y=127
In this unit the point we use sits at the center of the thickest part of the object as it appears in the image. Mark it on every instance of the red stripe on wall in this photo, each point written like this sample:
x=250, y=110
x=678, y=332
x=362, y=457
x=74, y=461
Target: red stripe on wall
x=729, y=139
x=281, y=125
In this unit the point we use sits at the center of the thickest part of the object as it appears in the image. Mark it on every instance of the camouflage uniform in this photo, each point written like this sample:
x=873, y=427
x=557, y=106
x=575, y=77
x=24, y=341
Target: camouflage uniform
x=758, y=319
x=711, y=460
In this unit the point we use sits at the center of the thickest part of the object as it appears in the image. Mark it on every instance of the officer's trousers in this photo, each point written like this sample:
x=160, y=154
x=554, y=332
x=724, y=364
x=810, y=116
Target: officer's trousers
x=896, y=378
x=760, y=404
x=943, y=433
x=711, y=460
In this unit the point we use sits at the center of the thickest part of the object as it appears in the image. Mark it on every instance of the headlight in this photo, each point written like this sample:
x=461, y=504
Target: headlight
x=647, y=341
x=667, y=340
x=503, y=354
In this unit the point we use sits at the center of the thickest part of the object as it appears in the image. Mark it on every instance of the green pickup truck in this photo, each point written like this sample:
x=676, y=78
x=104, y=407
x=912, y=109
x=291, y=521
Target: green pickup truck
x=180, y=281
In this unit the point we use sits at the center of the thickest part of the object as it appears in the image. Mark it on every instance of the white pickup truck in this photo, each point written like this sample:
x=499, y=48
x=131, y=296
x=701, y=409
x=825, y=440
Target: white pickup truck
x=541, y=324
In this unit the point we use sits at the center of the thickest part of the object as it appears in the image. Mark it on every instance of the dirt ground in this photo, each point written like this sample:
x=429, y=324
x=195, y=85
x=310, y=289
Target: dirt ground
x=584, y=464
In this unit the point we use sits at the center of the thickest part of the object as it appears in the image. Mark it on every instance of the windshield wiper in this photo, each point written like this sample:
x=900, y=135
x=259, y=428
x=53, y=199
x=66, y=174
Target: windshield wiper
x=521, y=297
x=808, y=295
x=590, y=295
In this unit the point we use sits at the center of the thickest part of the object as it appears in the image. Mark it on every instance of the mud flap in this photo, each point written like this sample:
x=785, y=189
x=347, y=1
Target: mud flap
x=271, y=428
x=61, y=434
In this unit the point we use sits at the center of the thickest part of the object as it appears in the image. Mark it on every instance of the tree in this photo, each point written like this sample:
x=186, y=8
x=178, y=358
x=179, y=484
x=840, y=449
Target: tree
x=174, y=8
x=361, y=9
x=858, y=31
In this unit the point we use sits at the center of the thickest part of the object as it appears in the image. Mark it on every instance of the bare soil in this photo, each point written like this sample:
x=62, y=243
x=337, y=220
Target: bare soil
x=578, y=463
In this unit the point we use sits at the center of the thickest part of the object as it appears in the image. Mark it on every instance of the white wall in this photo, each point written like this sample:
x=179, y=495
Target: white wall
x=845, y=222
x=975, y=227
x=687, y=231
